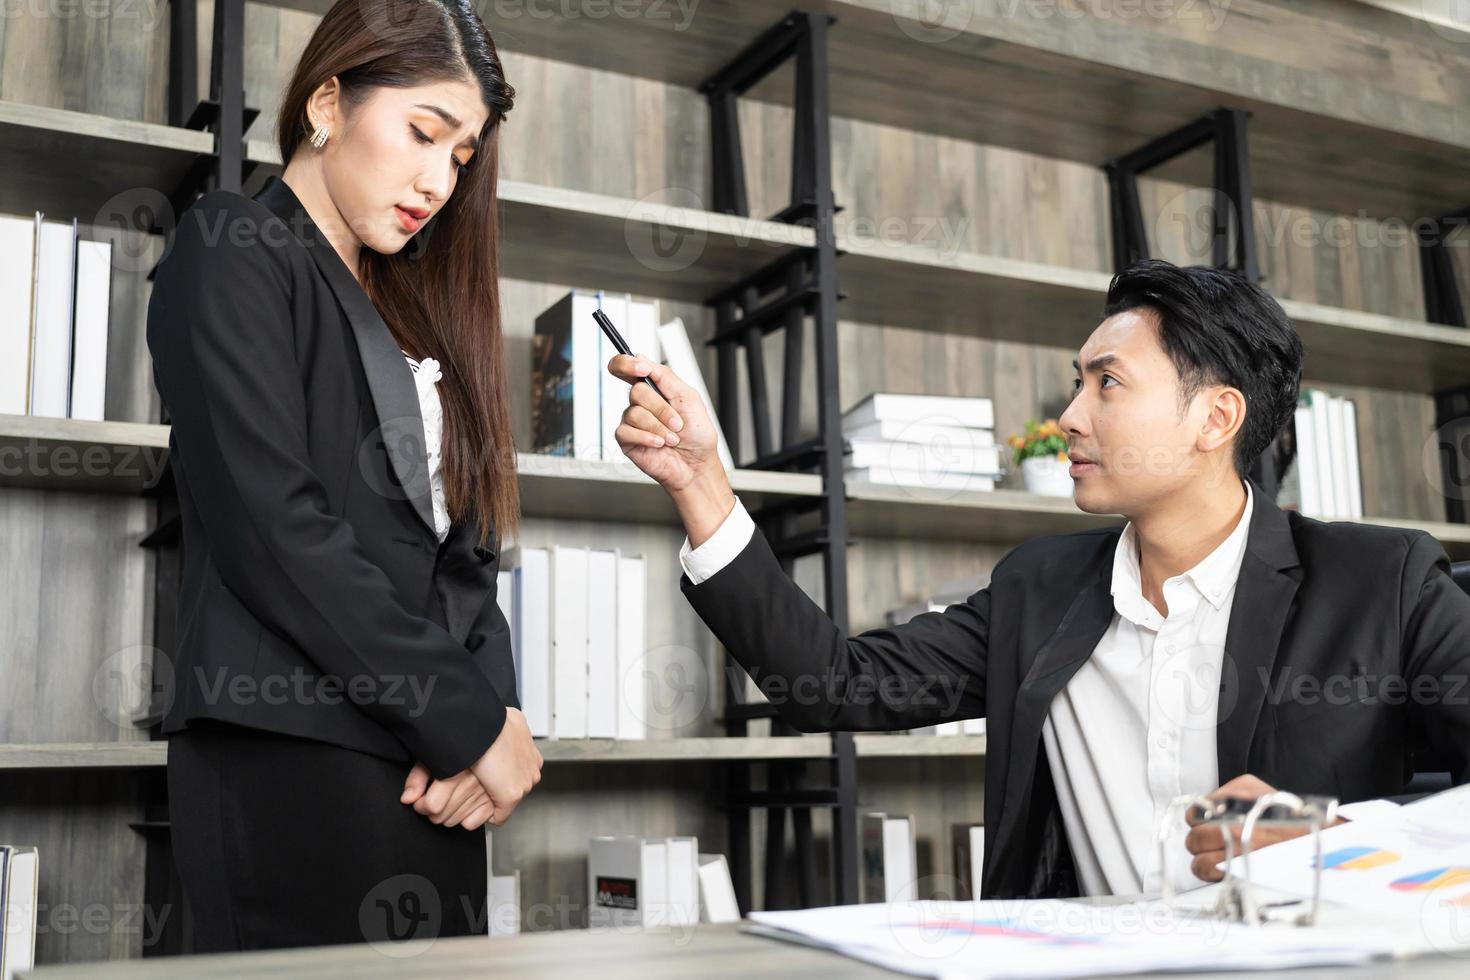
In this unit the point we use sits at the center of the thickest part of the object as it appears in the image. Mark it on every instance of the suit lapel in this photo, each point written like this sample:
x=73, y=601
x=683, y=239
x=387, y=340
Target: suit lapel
x=389, y=378
x=1055, y=662
x=1269, y=575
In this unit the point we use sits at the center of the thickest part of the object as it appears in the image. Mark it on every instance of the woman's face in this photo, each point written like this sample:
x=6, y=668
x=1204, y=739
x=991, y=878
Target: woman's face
x=390, y=165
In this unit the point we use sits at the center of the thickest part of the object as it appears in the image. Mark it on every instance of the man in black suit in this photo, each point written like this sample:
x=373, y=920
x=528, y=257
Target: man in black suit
x=1213, y=643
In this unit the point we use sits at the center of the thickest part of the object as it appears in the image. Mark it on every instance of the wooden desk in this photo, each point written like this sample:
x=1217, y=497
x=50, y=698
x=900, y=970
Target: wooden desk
x=705, y=951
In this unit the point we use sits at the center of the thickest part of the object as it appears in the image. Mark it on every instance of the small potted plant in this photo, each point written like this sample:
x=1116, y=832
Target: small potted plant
x=1042, y=455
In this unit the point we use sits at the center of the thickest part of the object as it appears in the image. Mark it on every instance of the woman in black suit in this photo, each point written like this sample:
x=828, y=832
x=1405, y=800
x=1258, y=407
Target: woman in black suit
x=343, y=720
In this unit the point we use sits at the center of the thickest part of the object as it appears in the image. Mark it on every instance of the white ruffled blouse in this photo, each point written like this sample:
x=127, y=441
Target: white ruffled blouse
x=426, y=375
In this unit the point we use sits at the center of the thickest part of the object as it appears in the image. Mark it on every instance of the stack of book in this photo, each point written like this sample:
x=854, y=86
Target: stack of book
x=578, y=623
x=656, y=881
x=936, y=441
x=576, y=402
x=55, y=296
x=1325, y=478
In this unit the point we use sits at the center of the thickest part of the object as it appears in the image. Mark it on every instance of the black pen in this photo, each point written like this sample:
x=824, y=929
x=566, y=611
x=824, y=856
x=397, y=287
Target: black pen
x=606, y=324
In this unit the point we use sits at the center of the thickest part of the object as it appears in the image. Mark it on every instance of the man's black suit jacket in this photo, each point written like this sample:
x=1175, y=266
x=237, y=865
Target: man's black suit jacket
x=1348, y=647
x=316, y=598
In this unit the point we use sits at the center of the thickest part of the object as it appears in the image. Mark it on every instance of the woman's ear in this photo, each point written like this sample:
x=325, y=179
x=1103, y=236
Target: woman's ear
x=324, y=106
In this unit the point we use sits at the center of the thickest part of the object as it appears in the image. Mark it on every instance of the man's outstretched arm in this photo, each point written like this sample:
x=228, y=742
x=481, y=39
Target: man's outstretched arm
x=928, y=670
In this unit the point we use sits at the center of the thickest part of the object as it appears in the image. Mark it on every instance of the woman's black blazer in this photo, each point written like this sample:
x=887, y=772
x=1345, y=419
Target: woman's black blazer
x=316, y=598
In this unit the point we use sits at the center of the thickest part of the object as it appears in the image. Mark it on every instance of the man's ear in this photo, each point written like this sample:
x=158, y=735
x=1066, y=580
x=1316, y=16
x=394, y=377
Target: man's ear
x=1225, y=418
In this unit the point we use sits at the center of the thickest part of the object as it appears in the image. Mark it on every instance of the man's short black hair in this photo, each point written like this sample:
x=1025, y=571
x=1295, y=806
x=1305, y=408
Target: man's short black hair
x=1218, y=327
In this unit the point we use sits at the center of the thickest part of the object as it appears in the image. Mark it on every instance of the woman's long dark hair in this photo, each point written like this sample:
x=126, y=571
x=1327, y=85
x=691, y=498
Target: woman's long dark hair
x=440, y=296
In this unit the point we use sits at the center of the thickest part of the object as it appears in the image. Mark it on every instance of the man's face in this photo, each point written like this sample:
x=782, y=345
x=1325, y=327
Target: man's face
x=1124, y=419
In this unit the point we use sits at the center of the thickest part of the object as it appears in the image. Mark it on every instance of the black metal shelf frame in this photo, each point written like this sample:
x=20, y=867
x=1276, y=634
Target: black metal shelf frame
x=784, y=295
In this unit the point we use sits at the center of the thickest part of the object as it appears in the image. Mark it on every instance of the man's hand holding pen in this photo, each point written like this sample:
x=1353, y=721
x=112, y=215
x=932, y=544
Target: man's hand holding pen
x=671, y=438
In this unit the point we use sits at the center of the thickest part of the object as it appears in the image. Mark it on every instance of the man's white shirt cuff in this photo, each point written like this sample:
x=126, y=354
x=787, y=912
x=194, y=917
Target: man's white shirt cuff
x=728, y=541
x=1367, y=809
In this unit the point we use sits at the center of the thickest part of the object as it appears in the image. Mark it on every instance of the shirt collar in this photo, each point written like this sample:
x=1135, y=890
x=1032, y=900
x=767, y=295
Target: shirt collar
x=1214, y=576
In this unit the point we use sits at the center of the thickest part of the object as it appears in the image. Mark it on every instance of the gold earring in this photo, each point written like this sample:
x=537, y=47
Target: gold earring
x=319, y=138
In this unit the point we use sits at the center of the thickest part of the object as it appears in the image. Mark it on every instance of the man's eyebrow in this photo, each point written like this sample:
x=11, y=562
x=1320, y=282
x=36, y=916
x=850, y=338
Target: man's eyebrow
x=450, y=119
x=1099, y=363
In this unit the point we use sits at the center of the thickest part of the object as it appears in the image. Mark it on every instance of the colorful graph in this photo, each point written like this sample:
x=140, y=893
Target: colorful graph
x=1430, y=880
x=1357, y=858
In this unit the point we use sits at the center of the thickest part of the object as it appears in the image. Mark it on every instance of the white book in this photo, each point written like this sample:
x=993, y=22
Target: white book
x=1337, y=433
x=901, y=615
x=614, y=396
x=20, y=876
x=897, y=430
x=93, y=303
x=627, y=882
x=886, y=476
x=1308, y=479
x=889, y=858
x=602, y=644
x=502, y=895
x=531, y=634
x=950, y=410
x=969, y=857
x=683, y=859
x=1354, y=464
x=637, y=321
x=52, y=327
x=17, y=291
x=642, y=332
x=569, y=642
x=936, y=458
x=679, y=354
x=575, y=374
x=505, y=599
x=972, y=726
x=716, y=890
x=1322, y=440
x=504, y=905
x=947, y=728
x=632, y=683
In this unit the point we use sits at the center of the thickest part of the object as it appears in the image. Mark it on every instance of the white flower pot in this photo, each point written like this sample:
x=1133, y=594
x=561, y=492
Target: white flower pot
x=1047, y=475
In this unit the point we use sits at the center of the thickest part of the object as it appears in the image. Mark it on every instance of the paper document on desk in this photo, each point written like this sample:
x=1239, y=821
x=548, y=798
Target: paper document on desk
x=1411, y=866
x=1052, y=938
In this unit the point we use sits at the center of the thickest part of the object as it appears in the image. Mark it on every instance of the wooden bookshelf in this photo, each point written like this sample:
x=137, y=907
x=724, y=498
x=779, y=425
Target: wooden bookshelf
x=69, y=163
x=609, y=240
x=1015, y=516
x=72, y=454
x=990, y=73
x=648, y=247
x=154, y=754
x=122, y=457
x=924, y=288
